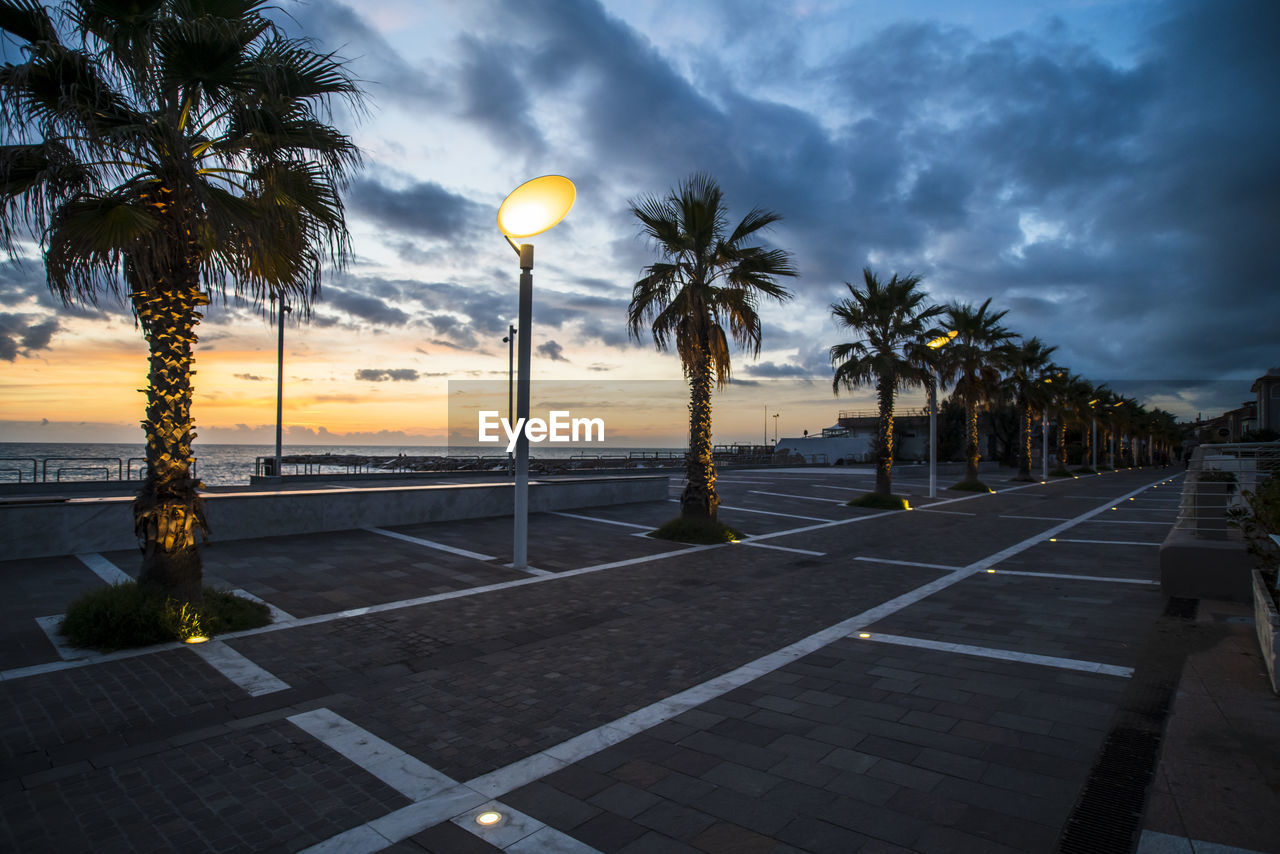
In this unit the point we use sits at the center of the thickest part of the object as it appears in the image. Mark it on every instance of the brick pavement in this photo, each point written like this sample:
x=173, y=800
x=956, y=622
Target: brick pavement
x=857, y=745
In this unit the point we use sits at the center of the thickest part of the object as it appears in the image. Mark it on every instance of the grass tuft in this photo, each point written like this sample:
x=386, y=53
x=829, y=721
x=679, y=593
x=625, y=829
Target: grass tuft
x=876, y=501
x=1061, y=473
x=971, y=486
x=123, y=616
x=690, y=529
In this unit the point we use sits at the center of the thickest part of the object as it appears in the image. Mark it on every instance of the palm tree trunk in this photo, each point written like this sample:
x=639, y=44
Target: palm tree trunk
x=699, y=498
x=168, y=510
x=971, y=453
x=884, y=438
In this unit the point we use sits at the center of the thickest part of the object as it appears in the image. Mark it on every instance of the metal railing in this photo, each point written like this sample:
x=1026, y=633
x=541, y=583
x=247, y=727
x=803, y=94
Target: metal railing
x=922, y=412
x=1217, y=478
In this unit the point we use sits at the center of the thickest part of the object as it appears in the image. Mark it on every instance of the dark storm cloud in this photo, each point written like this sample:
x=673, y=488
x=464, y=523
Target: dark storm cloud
x=1097, y=201
x=423, y=209
x=364, y=306
x=379, y=375
x=495, y=97
x=773, y=369
x=22, y=333
x=552, y=351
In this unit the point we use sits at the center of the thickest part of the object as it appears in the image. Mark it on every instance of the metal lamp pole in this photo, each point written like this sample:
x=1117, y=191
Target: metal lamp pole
x=510, y=341
x=1044, y=451
x=933, y=436
x=530, y=209
x=284, y=309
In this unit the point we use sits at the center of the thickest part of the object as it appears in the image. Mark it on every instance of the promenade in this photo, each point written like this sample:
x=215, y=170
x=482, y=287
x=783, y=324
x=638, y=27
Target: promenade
x=986, y=673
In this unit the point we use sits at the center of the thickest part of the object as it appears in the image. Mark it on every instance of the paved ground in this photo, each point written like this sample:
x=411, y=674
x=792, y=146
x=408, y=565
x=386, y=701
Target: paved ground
x=950, y=679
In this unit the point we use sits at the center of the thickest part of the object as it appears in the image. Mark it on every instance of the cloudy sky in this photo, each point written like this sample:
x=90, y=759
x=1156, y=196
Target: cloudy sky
x=1107, y=170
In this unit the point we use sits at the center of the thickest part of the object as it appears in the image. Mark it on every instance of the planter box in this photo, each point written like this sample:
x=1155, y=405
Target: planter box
x=1267, y=622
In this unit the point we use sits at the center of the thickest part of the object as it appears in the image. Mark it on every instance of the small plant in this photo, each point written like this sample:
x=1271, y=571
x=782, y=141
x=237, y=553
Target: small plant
x=1257, y=522
x=688, y=529
x=123, y=616
x=876, y=501
x=1216, y=476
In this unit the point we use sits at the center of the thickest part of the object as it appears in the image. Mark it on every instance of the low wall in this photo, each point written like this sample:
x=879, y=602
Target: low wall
x=1195, y=568
x=79, y=525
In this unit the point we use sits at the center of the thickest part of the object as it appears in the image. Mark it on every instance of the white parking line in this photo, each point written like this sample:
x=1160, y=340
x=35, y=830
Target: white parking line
x=948, y=512
x=800, y=497
x=430, y=544
x=437, y=797
x=240, y=670
x=1105, y=542
x=781, y=548
x=775, y=513
x=601, y=521
x=1004, y=654
x=1115, y=579
x=104, y=569
x=1040, y=518
x=909, y=563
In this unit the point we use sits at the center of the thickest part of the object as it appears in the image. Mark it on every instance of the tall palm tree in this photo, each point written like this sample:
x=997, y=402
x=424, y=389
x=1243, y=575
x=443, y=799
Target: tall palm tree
x=1070, y=402
x=709, y=278
x=972, y=365
x=1029, y=368
x=893, y=322
x=158, y=150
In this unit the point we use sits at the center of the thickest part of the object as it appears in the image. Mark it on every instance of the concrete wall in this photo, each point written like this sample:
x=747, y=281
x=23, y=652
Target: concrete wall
x=78, y=525
x=1195, y=568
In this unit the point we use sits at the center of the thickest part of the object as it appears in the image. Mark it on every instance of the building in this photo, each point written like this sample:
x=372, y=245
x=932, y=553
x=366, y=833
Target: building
x=1267, y=388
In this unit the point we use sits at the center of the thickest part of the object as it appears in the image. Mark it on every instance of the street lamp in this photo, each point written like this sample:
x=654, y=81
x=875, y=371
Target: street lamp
x=936, y=343
x=284, y=309
x=775, y=428
x=532, y=208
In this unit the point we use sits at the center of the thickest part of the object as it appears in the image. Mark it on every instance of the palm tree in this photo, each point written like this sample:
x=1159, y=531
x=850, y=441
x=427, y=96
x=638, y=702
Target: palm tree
x=1069, y=401
x=708, y=279
x=893, y=322
x=1029, y=370
x=972, y=364
x=159, y=150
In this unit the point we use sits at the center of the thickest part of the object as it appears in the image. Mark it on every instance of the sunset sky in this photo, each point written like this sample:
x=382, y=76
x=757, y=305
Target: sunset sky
x=1107, y=170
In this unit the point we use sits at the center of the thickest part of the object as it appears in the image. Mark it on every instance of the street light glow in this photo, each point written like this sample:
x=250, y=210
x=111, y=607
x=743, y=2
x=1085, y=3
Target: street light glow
x=536, y=205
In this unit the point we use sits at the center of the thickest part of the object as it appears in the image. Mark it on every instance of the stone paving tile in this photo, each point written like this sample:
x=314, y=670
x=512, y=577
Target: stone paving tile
x=470, y=716
x=1139, y=562
x=1099, y=623
x=944, y=788
x=323, y=573
x=267, y=788
x=37, y=587
x=104, y=705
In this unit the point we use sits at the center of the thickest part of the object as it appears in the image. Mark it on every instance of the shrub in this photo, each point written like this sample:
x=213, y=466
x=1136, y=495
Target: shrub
x=876, y=501
x=1258, y=521
x=123, y=616
x=971, y=486
x=701, y=531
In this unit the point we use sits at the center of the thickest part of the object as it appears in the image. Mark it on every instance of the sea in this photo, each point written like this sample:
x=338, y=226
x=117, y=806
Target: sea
x=229, y=465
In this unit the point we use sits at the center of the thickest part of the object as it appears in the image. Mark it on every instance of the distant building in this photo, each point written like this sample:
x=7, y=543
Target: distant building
x=1267, y=388
x=852, y=439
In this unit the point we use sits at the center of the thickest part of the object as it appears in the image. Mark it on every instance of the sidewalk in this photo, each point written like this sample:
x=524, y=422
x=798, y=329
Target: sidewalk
x=845, y=680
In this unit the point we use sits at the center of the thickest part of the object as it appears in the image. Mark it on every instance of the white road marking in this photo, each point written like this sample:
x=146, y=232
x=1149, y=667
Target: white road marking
x=1004, y=654
x=800, y=497
x=602, y=521
x=1068, y=575
x=104, y=569
x=1106, y=542
x=909, y=563
x=240, y=670
x=430, y=544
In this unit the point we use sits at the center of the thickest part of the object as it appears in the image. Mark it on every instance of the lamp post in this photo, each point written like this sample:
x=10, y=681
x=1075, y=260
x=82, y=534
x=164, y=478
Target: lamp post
x=775, y=428
x=532, y=208
x=510, y=341
x=284, y=309
x=935, y=344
